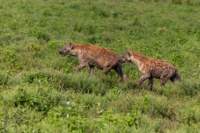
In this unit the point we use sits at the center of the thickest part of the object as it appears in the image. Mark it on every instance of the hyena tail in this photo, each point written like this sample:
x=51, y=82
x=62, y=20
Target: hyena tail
x=175, y=77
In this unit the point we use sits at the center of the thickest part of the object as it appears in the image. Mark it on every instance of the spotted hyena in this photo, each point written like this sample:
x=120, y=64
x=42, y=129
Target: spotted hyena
x=152, y=68
x=94, y=56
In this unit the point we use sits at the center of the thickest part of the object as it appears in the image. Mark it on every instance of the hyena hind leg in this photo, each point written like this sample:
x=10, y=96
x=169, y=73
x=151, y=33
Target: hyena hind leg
x=163, y=81
x=119, y=71
x=165, y=77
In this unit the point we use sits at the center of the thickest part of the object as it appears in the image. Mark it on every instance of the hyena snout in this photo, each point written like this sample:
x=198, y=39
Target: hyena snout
x=125, y=58
x=67, y=49
x=60, y=51
x=63, y=51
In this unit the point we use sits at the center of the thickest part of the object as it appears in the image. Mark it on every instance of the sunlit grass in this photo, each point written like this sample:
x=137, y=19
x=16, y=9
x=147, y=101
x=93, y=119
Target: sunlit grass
x=40, y=91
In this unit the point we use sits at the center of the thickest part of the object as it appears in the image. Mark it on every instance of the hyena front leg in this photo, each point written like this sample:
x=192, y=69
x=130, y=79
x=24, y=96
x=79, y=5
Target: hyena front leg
x=81, y=65
x=150, y=83
x=91, y=69
x=144, y=77
x=106, y=70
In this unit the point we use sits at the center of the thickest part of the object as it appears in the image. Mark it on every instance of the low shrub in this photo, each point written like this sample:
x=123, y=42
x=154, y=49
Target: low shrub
x=4, y=79
x=40, y=100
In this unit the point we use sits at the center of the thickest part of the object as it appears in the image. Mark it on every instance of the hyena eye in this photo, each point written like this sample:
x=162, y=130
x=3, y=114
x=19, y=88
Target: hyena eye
x=71, y=47
x=66, y=49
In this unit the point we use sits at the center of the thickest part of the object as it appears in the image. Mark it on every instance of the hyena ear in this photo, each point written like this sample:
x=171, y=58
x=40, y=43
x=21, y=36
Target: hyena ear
x=71, y=45
x=129, y=52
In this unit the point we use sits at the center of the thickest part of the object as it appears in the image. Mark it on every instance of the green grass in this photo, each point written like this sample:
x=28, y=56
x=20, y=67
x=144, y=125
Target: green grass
x=41, y=92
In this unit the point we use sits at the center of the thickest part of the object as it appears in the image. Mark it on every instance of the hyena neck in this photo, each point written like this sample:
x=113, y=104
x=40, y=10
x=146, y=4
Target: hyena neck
x=138, y=59
x=76, y=50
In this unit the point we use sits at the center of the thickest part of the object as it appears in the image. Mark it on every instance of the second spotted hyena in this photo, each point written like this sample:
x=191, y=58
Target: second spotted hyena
x=152, y=68
x=94, y=56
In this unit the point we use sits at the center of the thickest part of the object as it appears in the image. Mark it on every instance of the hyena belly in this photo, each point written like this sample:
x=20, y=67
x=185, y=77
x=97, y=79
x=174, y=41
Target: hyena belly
x=105, y=62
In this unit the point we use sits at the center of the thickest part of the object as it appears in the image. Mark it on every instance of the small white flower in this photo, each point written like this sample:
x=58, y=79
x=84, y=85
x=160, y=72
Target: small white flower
x=68, y=102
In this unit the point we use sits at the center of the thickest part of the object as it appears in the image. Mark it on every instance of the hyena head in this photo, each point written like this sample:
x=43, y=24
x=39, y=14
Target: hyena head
x=68, y=49
x=127, y=56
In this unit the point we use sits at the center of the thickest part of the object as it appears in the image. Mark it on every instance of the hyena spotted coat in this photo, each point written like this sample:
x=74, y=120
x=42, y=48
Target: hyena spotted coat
x=94, y=56
x=152, y=68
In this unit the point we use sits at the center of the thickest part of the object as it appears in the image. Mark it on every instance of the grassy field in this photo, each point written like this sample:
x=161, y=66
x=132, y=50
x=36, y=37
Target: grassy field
x=40, y=92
